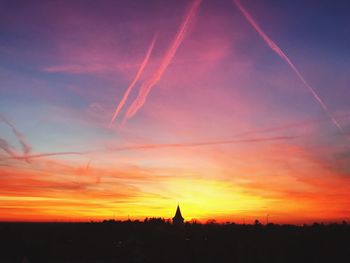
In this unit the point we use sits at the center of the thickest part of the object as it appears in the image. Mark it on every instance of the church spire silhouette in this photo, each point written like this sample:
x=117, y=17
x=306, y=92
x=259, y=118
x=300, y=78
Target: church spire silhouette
x=178, y=219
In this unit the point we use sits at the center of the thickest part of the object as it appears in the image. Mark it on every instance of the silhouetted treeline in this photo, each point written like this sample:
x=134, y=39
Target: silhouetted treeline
x=157, y=240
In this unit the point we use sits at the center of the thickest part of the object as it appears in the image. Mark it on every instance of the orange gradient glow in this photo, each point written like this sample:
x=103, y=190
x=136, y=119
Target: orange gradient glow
x=206, y=187
x=216, y=117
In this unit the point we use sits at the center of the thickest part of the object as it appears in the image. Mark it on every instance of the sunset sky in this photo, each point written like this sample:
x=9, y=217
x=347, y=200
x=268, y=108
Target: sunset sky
x=122, y=109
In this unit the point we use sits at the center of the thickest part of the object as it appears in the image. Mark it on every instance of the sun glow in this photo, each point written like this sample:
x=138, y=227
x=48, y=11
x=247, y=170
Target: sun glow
x=216, y=106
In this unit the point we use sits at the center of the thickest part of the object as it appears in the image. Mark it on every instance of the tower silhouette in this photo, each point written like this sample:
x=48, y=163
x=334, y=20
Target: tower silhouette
x=178, y=219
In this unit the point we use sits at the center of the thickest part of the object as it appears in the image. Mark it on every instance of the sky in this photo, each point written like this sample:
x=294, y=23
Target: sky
x=236, y=110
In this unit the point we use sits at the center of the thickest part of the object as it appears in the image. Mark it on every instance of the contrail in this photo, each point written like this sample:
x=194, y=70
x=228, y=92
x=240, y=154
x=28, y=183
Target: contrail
x=6, y=147
x=148, y=85
x=26, y=148
x=40, y=155
x=290, y=125
x=280, y=53
x=50, y=154
x=234, y=141
x=138, y=75
x=197, y=144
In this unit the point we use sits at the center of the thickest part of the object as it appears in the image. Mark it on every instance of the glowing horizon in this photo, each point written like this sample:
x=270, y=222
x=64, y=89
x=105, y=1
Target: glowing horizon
x=219, y=118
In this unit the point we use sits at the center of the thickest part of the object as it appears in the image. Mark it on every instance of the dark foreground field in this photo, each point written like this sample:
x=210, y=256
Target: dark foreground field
x=157, y=241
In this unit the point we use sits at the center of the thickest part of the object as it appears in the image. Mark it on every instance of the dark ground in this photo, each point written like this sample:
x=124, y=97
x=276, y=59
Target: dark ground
x=157, y=241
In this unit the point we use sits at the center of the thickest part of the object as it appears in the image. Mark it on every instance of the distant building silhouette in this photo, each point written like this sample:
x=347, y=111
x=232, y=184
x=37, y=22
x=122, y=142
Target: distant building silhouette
x=178, y=219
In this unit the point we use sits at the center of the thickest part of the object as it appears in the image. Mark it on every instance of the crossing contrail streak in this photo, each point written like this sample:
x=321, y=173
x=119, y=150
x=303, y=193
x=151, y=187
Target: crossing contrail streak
x=280, y=53
x=132, y=84
x=26, y=148
x=148, y=85
x=41, y=155
x=6, y=147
